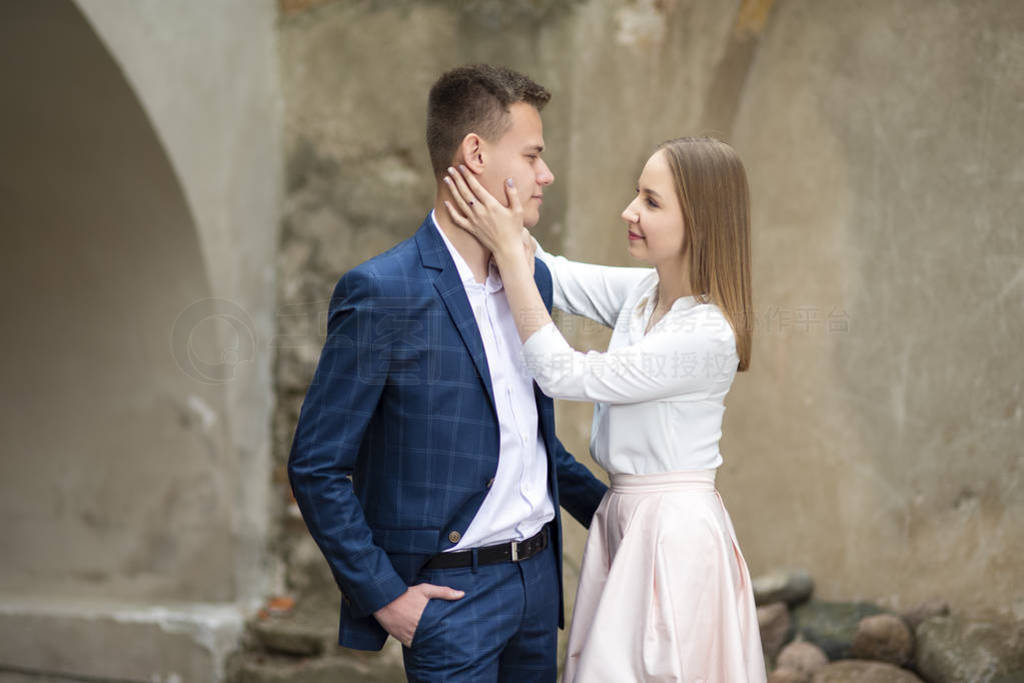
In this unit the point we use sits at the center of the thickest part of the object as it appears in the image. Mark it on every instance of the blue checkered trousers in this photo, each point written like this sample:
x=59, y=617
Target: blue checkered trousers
x=396, y=442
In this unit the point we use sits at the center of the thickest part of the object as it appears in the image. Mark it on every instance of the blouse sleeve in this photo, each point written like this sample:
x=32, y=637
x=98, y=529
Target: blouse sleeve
x=684, y=359
x=593, y=291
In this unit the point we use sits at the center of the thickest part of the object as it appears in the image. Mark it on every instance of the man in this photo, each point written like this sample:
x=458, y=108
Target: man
x=425, y=461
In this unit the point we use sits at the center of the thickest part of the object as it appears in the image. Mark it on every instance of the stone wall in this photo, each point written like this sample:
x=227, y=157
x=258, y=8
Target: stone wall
x=876, y=439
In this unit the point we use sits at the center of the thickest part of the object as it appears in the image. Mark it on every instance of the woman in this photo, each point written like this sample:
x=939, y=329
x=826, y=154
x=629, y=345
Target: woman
x=665, y=593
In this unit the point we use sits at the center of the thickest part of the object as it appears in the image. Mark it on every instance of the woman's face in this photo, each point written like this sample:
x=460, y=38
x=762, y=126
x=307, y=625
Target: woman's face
x=654, y=219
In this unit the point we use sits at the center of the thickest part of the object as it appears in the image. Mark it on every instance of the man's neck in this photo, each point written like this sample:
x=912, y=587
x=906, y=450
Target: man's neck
x=476, y=255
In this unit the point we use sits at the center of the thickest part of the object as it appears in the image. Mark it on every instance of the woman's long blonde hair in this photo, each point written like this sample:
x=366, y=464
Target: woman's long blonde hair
x=711, y=185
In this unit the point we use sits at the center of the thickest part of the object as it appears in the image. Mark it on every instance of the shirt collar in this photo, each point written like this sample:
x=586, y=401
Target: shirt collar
x=490, y=285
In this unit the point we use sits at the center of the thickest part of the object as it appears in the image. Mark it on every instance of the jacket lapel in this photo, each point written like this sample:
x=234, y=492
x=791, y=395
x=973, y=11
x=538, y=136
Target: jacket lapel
x=434, y=255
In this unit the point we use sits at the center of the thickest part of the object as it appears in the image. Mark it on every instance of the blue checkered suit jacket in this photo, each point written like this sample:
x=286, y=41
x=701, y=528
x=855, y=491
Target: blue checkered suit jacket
x=397, y=439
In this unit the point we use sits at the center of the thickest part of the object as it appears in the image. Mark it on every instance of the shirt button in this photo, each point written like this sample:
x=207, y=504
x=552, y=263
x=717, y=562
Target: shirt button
x=490, y=482
x=454, y=536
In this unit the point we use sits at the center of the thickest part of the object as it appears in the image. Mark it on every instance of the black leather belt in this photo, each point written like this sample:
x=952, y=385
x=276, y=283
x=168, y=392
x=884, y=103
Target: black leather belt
x=513, y=551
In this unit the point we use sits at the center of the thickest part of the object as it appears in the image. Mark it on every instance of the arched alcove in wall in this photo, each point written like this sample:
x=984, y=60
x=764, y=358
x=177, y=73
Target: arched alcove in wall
x=116, y=479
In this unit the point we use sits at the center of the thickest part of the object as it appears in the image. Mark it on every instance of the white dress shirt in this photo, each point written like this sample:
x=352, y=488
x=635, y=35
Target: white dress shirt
x=518, y=503
x=660, y=395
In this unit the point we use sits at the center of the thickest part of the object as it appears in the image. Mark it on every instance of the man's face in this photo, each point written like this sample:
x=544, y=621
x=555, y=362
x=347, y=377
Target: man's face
x=516, y=155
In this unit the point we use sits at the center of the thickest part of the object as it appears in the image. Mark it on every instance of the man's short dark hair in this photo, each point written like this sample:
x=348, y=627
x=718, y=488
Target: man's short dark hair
x=474, y=99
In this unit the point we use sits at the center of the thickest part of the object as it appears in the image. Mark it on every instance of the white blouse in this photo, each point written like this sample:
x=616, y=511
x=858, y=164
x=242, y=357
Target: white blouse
x=659, y=396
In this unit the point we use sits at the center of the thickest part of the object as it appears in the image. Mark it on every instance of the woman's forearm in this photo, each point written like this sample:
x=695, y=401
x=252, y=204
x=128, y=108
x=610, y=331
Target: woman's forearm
x=524, y=300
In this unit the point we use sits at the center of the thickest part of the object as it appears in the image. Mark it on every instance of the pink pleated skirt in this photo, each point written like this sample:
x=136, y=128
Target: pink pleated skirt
x=664, y=594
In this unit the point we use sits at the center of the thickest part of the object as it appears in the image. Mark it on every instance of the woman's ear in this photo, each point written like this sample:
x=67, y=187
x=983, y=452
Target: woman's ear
x=472, y=152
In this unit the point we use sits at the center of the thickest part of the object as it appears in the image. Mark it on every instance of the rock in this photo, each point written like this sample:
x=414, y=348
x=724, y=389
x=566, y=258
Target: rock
x=956, y=650
x=863, y=671
x=883, y=638
x=288, y=637
x=304, y=627
x=832, y=625
x=788, y=676
x=791, y=586
x=776, y=628
x=925, y=610
x=803, y=657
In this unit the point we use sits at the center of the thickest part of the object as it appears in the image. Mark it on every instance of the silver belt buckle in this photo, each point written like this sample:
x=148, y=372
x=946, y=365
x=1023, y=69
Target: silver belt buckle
x=515, y=551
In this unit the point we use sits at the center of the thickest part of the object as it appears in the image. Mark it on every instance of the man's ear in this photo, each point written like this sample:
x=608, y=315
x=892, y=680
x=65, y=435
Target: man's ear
x=472, y=152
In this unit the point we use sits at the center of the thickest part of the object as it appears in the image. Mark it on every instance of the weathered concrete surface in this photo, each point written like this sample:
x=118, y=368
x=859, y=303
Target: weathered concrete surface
x=103, y=640
x=884, y=160
x=140, y=183
x=117, y=473
x=207, y=75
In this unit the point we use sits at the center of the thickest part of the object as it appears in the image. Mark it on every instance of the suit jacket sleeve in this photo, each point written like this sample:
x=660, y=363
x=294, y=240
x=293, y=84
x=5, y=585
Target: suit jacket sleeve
x=339, y=405
x=579, y=491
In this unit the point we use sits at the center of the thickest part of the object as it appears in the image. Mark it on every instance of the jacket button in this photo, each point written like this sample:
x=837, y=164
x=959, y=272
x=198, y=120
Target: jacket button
x=454, y=536
x=490, y=482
